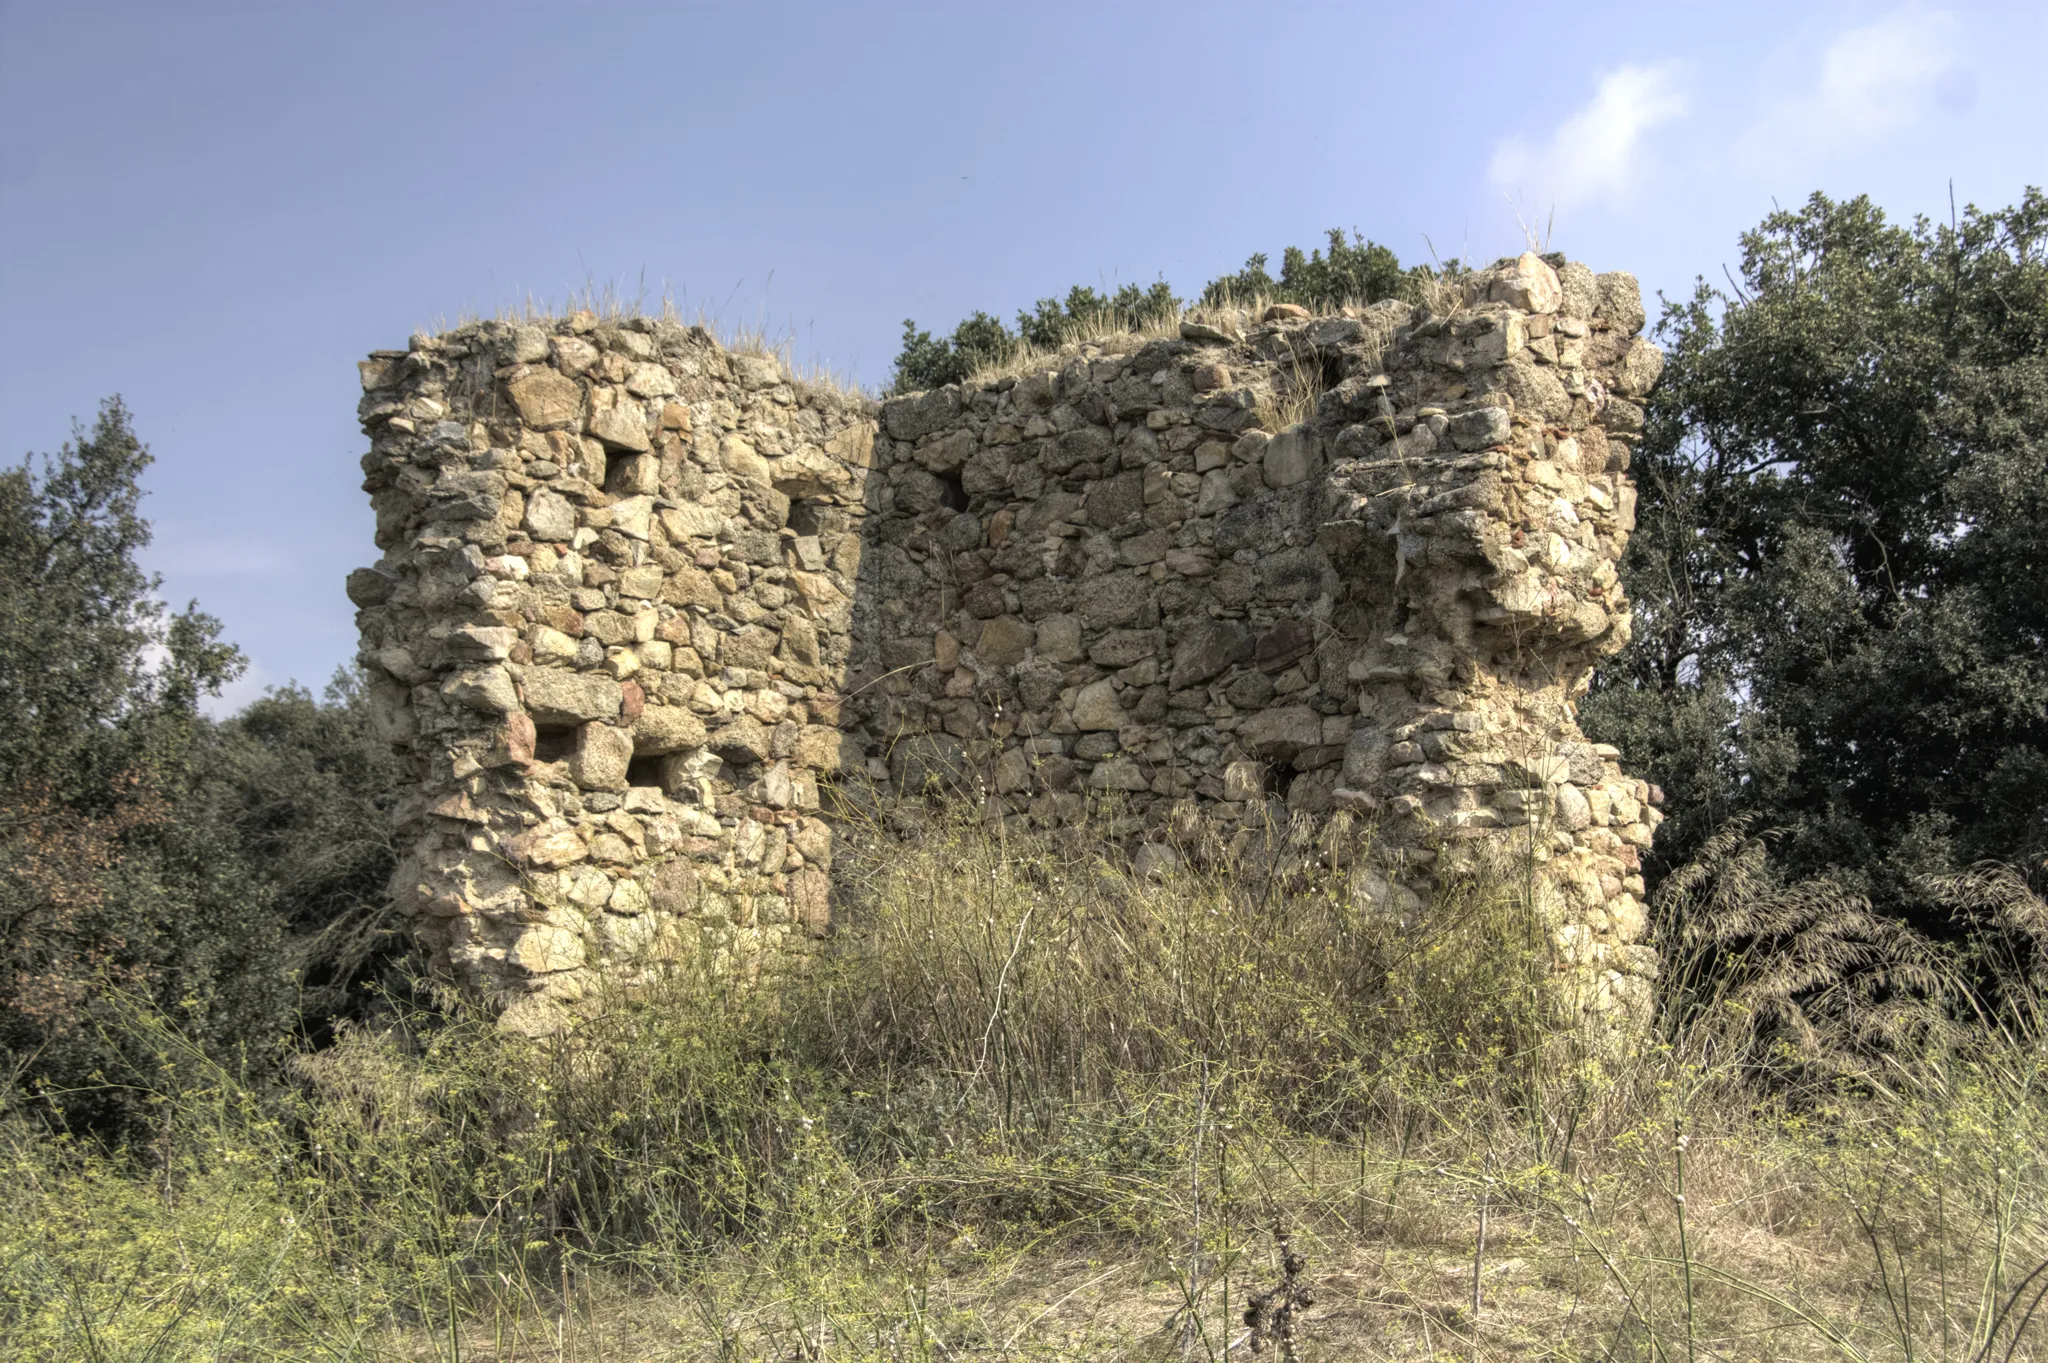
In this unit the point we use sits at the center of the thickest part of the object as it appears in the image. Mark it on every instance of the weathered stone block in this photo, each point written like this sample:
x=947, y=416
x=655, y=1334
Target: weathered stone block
x=1013, y=772
x=368, y=587
x=1640, y=368
x=545, y=950
x=1208, y=651
x=750, y=647
x=1281, y=733
x=1480, y=427
x=1113, y=599
x=663, y=729
x=741, y=740
x=488, y=689
x=1291, y=457
x=1119, y=499
x=1059, y=638
x=545, y=400
x=1244, y=781
x=1529, y=284
x=1004, y=641
x=549, y=516
x=602, y=755
x=1096, y=707
x=929, y=763
x=548, y=848
x=1122, y=647
x=555, y=696
x=644, y=583
x=1119, y=773
x=908, y=418
x=691, y=522
x=1621, y=302
x=618, y=420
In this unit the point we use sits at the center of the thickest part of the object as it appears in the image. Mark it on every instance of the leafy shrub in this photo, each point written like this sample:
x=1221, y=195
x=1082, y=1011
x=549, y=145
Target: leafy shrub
x=983, y=340
x=1343, y=272
x=927, y=363
x=1355, y=271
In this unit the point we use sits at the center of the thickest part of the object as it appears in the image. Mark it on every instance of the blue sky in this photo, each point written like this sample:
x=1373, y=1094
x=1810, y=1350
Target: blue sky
x=216, y=209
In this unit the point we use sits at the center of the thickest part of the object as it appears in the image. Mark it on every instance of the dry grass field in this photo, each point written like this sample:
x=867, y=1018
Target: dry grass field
x=1030, y=1108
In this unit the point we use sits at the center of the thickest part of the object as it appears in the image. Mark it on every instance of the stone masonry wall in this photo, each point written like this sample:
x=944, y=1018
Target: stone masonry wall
x=607, y=630
x=1134, y=574
x=639, y=597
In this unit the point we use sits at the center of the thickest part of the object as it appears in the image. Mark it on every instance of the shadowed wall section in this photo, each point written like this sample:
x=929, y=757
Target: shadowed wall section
x=640, y=596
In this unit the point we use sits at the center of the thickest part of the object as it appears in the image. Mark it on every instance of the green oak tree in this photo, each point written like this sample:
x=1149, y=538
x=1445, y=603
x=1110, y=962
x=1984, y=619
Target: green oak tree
x=1841, y=567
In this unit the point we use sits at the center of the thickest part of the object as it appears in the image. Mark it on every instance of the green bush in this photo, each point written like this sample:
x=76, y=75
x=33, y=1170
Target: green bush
x=1356, y=271
x=233, y=872
x=1346, y=272
x=981, y=340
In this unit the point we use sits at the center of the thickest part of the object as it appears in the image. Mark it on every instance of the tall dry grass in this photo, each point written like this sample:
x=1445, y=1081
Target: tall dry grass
x=1107, y=331
x=1031, y=1106
x=610, y=303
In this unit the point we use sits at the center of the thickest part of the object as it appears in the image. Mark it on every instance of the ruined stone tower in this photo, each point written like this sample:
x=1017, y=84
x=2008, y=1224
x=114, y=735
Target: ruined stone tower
x=640, y=597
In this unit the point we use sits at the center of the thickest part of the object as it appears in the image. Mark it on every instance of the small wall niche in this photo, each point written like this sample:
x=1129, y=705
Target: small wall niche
x=553, y=742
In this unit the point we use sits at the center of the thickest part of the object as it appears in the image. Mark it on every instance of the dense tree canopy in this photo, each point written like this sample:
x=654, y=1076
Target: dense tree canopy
x=1841, y=571
x=95, y=679
x=230, y=871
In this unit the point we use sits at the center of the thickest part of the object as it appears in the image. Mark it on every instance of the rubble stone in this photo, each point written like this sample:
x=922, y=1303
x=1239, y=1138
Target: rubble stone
x=641, y=600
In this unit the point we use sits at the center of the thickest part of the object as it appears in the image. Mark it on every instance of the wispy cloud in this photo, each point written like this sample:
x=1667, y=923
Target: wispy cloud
x=1597, y=152
x=181, y=551
x=1873, y=80
x=254, y=680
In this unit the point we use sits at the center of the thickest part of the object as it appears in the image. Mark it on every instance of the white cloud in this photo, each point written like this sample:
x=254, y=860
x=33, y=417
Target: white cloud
x=1879, y=77
x=1597, y=152
x=1873, y=80
x=248, y=687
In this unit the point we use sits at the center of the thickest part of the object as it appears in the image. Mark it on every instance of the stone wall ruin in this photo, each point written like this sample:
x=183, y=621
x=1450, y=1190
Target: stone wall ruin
x=641, y=597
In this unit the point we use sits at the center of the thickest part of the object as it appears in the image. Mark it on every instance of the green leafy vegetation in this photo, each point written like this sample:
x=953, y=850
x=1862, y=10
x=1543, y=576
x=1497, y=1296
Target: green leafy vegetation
x=231, y=872
x=1355, y=271
x=981, y=339
x=1037, y=1109
x=1352, y=272
x=81, y=704
x=1840, y=633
